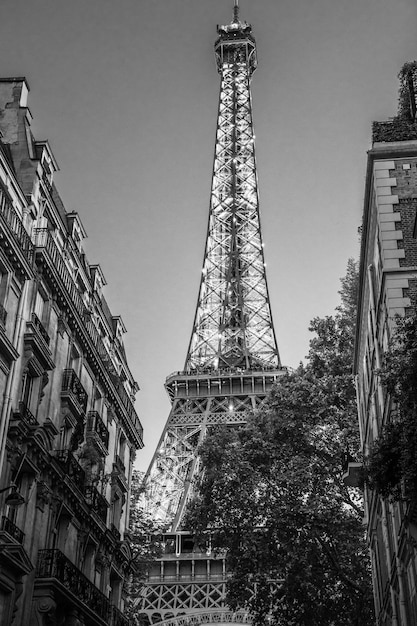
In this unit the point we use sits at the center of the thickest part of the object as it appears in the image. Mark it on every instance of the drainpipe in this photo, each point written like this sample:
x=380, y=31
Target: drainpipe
x=4, y=418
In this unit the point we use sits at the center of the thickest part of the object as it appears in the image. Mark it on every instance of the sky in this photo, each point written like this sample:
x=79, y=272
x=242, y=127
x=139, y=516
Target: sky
x=126, y=92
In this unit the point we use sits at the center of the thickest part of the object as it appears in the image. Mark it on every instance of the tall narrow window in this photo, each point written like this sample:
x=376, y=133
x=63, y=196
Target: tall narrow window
x=39, y=308
x=27, y=391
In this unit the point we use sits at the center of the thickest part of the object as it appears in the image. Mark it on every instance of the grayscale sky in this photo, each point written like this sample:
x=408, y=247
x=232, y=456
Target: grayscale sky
x=126, y=92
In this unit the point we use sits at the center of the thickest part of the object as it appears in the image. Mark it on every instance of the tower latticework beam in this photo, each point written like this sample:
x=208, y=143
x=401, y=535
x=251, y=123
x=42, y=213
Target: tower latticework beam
x=232, y=360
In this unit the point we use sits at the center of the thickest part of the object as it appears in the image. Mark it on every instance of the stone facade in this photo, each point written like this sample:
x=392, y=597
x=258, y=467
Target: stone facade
x=68, y=427
x=388, y=280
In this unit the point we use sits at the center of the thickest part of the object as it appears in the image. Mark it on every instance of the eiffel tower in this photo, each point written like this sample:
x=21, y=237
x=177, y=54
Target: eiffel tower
x=232, y=359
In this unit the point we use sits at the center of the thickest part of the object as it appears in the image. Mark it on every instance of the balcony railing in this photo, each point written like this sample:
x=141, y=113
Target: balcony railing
x=40, y=328
x=117, y=618
x=71, y=385
x=45, y=242
x=11, y=529
x=15, y=224
x=54, y=564
x=96, y=425
x=26, y=415
x=98, y=502
x=71, y=466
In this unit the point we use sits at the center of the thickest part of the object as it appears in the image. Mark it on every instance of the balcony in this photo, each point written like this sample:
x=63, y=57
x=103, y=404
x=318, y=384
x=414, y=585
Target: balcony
x=71, y=467
x=54, y=564
x=24, y=414
x=11, y=529
x=97, y=502
x=117, y=618
x=14, y=237
x=97, y=429
x=48, y=251
x=36, y=342
x=73, y=393
x=119, y=472
x=40, y=328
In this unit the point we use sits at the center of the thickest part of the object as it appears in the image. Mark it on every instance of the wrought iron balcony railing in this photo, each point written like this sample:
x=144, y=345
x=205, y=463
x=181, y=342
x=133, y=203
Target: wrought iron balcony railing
x=72, y=388
x=11, y=529
x=24, y=413
x=15, y=224
x=71, y=466
x=46, y=244
x=54, y=564
x=98, y=502
x=95, y=425
x=117, y=618
x=40, y=328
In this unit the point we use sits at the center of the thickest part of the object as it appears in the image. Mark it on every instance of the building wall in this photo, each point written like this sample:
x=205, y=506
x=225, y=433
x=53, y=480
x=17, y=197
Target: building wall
x=388, y=287
x=68, y=427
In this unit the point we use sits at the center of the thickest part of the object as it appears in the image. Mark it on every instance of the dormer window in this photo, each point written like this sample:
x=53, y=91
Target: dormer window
x=47, y=172
x=48, y=164
x=76, y=229
x=97, y=278
x=119, y=328
x=76, y=235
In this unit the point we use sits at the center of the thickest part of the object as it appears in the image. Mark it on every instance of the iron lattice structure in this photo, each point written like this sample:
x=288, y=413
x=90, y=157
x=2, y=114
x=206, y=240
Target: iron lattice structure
x=233, y=325
x=232, y=360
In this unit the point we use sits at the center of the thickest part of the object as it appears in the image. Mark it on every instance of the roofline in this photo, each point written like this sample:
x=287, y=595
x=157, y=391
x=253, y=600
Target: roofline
x=15, y=79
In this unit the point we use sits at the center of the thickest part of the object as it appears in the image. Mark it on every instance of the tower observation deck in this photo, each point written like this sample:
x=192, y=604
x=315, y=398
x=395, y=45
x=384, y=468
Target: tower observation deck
x=232, y=359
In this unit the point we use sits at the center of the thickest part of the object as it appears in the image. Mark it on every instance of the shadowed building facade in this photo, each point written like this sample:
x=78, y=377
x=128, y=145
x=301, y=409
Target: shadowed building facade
x=68, y=426
x=388, y=287
x=232, y=360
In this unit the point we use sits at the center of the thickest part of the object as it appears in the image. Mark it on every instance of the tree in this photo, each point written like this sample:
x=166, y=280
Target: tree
x=271, y=493
x=145, y=543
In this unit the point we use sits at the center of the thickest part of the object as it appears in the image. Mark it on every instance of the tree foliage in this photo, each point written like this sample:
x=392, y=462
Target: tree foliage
x=272, y=496
x=145, y=543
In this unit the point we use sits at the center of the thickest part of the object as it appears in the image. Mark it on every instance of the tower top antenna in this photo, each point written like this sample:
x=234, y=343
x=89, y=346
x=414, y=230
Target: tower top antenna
x=236, y=12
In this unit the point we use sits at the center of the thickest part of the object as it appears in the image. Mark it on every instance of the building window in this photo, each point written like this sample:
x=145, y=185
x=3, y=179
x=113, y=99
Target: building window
x=28, y=392
x=89, y=559
x=39, y=308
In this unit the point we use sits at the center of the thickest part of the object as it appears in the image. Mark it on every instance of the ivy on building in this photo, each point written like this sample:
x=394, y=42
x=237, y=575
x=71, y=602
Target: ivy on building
x=391, y=466
x=403, y=127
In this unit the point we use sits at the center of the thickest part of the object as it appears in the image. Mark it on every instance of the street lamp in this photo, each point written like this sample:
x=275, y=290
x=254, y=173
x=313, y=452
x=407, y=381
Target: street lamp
x=14, y=499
